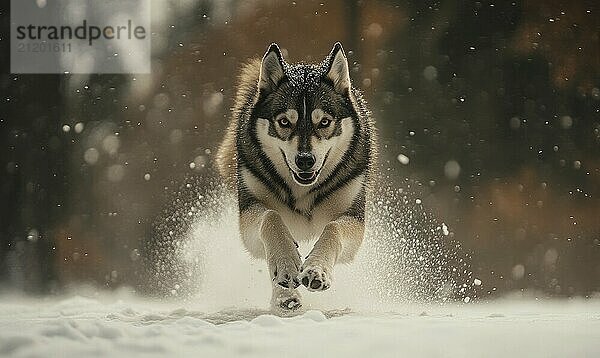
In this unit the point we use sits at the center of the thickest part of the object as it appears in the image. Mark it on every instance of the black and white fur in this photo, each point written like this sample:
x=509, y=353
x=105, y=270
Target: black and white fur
x=300, y=149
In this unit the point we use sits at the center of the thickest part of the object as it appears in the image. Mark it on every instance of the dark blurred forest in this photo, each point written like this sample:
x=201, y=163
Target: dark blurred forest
x=491, y=108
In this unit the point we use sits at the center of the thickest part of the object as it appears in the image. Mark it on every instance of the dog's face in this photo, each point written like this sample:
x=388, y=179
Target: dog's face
x=304, y=115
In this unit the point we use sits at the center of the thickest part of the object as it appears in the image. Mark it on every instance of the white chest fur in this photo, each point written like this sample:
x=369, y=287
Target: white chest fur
x=304, y=228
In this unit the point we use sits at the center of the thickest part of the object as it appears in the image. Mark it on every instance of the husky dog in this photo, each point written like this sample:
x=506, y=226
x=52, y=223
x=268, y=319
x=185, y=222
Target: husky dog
x=300, y=150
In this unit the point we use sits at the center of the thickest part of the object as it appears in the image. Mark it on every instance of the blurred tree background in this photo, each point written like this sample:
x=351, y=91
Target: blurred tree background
x=492, y=108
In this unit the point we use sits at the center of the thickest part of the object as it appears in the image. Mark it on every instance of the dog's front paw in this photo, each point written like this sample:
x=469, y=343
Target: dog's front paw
x=315, y=277
x=286, y=302
x=284, y=271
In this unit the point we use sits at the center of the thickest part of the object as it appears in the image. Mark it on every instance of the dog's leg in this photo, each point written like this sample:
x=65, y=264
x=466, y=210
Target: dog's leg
x=266, y=236
x=338, y=243
x=285, y=300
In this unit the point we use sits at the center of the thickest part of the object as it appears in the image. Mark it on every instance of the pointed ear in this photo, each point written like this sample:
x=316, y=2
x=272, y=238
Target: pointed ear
x=271, y=69
x=338, y=71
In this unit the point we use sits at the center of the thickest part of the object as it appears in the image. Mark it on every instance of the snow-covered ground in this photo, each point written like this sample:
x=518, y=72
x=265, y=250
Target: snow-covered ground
x=127, y=327
x=354, y=318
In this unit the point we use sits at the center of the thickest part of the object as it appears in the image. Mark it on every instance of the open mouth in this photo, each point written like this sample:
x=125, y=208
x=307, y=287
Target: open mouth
x=305, y=178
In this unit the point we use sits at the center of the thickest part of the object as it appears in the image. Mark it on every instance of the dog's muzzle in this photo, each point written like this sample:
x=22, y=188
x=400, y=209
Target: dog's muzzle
x=304, y=161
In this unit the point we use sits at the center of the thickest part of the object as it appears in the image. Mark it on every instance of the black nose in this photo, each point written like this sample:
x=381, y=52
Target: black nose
x=305, y=160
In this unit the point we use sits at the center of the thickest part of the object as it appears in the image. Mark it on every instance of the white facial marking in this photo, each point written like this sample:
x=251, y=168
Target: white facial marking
x=304, y=105
x=290, y=114
x=273, y=146
x=336, y=146
x=317, y=115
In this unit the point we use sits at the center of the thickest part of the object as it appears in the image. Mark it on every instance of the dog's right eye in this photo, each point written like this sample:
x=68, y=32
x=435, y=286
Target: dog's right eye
x=284, y=122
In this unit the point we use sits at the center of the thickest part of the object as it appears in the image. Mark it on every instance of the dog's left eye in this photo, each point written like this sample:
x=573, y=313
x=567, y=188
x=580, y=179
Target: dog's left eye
x=324, y=123
x=284, y=122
